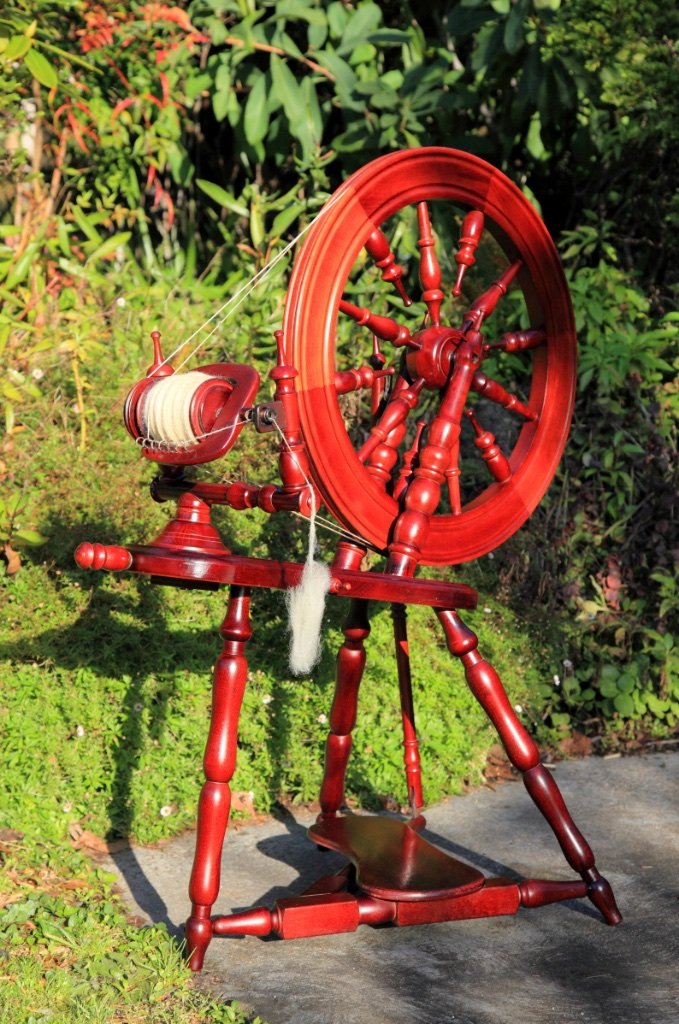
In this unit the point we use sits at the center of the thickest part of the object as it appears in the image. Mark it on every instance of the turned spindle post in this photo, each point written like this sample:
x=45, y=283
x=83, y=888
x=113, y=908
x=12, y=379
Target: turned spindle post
x=349, y=673
x=219, y=763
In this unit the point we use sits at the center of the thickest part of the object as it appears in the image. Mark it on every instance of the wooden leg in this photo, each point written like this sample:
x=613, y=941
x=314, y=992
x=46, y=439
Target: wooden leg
x=230, y=675
x=411, y=751
x=350, y=665
x=486, y=686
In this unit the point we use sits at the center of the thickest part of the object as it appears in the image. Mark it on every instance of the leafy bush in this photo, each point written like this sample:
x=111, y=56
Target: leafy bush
x=607, y=537
x=159, y=152
x=121, y=119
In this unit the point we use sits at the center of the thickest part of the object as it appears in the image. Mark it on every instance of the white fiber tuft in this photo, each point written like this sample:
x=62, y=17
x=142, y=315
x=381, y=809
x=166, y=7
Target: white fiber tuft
x=306, y=604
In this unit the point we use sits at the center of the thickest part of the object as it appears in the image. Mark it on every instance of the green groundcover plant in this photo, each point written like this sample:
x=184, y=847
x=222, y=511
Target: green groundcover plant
x=154, y=156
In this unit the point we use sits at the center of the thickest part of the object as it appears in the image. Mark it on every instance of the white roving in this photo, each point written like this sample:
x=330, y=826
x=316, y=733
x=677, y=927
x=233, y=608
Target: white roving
x=306, y=604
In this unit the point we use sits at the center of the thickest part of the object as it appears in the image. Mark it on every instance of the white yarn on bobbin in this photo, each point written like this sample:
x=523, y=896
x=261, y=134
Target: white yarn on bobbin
x=166, y=411
x=306, y=604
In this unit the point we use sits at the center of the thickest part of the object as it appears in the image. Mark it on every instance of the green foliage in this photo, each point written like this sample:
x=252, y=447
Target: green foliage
x=120, y=120
x=609, y=534
x=12, y=533
x=103, y=728
x=71, y=954
x=153, y=157
x=626, y=148
x=271, y=86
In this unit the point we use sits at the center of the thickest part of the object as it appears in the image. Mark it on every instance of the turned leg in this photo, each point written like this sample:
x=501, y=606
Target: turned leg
x=219, y=763
x=411, y=751
x=350, y=665
x=486, y=686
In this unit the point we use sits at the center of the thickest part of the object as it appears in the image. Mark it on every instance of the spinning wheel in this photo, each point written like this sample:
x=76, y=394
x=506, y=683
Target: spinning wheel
x=430, y=427
x=349, y=480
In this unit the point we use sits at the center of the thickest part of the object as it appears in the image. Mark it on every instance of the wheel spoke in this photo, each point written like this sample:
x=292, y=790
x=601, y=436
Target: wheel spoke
x=472, y=229
x=430, y=271
x=491, y=452
x=452, y=475
x=406, y=470
x=383, y=326
x=380, y=251
x=518, y=341
x=491, y=389
x=359, y=377
x=401, y=403
x=486, y=303
x=377, y=361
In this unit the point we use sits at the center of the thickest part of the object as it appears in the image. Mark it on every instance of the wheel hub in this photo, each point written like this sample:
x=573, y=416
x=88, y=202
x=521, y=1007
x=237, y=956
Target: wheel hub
x=431, y=355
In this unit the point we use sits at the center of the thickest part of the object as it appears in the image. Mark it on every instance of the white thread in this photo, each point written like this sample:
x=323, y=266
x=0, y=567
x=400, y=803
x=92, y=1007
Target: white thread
x=341, y=531
x=244, y=291
x=306, y=602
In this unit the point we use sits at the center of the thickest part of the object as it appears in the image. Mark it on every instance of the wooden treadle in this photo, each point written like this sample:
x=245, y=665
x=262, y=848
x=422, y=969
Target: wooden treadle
x=393, y=862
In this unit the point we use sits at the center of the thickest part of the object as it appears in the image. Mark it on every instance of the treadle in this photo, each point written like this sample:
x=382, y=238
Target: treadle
x=392, y=861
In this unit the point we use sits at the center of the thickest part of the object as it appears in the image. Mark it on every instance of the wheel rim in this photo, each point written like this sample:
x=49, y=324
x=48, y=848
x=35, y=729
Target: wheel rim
x=366, y=200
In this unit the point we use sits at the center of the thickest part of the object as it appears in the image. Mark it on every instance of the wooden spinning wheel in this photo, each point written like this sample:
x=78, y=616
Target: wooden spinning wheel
x=430, y=427
x=371, y=197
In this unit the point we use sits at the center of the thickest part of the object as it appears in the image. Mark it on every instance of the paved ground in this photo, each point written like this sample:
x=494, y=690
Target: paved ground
x=553, y=965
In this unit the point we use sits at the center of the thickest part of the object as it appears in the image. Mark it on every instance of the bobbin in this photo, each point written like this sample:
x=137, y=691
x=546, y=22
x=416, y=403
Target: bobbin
x=208, y=411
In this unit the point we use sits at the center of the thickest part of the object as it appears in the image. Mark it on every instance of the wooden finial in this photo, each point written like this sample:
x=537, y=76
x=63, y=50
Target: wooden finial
x=158, y=367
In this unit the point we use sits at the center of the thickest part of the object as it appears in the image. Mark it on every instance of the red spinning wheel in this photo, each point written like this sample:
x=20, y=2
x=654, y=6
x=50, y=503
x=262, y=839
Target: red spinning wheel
x=432, y=429
x=508, y=395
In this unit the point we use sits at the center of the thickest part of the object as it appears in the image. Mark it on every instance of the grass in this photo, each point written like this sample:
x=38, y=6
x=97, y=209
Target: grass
x=69, y=954
x=104, y=700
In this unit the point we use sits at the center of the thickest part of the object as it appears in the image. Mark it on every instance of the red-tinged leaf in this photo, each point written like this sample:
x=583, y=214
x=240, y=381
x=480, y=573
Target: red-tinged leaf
x=12, y=560
x=153, y=99
x=165, y=85
x=77, y=133
x=162, y=12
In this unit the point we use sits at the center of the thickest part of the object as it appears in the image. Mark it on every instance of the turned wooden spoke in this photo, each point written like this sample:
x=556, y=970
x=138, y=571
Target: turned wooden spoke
x=472, y=229
x=409, y=456
x=380, y=251
x=518, y=341
x=491, y=452
x=486, y=303
x=430, y=271
x=383, y=326
x=491, y=389
x=452, y=475
x=378, y=358
x=377, y=361
x=394, y=415
x=359, y=377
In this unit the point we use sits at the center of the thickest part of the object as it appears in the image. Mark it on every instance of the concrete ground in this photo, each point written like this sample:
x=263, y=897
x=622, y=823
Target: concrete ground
x=553, y=965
